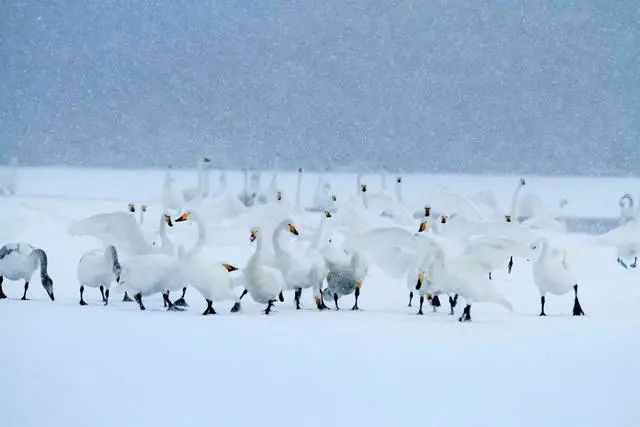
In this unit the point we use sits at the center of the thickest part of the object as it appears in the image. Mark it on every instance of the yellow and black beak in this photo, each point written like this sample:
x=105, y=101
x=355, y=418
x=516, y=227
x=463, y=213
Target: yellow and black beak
x=507, y=218
x=230, y=267
x=144, y=208
x=420, y=280
x=364, y=188
x=423, y=226
x=185, y=216
x=253, y=236
x=167, y=219
x=293, y=230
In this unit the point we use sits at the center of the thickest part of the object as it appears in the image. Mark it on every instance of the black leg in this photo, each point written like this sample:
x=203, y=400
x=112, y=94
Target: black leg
x=466, y=314
x=510, y=265
x=82, y=301
x=410, y=298
x=236, y=307
x=635, y=262
x=138, y=298
x=209, y=309
x=2, y=295
x=435, y=302
x=24, y=296
x=269, y=306
x=357, y=294
x=490, y=278
x=281, y=296
x=102, y=293
x=452, y=303
x=577, y=310
x=421, y=303
x=171, y=306
x=622, y=263
x=106, y=301
x=164, y=300
x=181, y=302
x=244, y=293
x=542, y=301
x=335, y=301
x=126, y=297
x=297, y=297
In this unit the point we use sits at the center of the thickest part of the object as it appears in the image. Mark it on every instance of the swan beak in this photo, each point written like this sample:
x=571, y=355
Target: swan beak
x=399, y=180
x=293, y=230
x=281, y=296
x=279, y=195
x=132, y=207
x=167, y=219
x=427, y=211
x=507, y=218
x=253, y=236
x=423, y=226
x=429, y=297
x=144, y=208
x=183, y=217
x=420, y=281
x=230, y=267
x=333, y=197
x=327, y=214
x=364, y=188
x=443, y=219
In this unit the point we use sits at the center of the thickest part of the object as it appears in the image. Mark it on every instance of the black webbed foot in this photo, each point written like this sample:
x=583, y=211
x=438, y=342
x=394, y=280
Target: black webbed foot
x=126, y=298
x=236, y=307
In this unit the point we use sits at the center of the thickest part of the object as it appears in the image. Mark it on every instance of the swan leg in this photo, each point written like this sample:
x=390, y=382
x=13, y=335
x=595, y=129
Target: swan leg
x=106, y=300
x=138, y=298
x=335, y=301
x=452, y=303
x=181, y=302
x=209, y=309
x=635, y=262
x=435, y=302
x=244, y=293
x=102, y=293
x=357, y=294
x=236, y=307
x=82, y=301
x=126, y=298
x=490, y=278
x=170, y=305
x=542, y=301
x=281, y=296
x=577, y=310
x=269, y=306
x=297, y=297
x=24, y=296
x=622, y=263
x=466, y=314
x=2, y=294
x=421, y=303
x=510, y=265
x=410, y=298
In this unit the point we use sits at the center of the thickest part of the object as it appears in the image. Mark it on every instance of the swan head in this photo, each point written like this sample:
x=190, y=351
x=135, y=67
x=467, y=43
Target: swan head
x=507, y=218
x=292, y=229
x=143, y=208
x=522, y=182
x=420, y=280
x=47, y=284
x=184, y=217
x=444, y=219
x=131, y=207
x=363, y=187
x=279, y=195
x=399, y=180
x=424, y=225
x=167, y=219
x=230, y=267
x=205, y=159
x=299, y=170
x=334, y=198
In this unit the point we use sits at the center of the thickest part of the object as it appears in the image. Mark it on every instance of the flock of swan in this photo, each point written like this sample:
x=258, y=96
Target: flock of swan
x=448, y=248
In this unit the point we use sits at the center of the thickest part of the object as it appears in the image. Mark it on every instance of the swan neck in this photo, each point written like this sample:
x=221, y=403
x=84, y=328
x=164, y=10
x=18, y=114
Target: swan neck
x=42, y=259
x=399, y=192
x=202, y=237
x=514, y=202
x=299, y=189
x=113, y=255
x=365, y=200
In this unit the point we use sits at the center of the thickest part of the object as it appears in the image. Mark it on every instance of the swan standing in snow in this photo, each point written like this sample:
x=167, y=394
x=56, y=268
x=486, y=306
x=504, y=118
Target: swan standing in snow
x=98, y=269
x=551, y=275
x=18, y=261
x=211, y=279
x=265, y=284
x=346, y=279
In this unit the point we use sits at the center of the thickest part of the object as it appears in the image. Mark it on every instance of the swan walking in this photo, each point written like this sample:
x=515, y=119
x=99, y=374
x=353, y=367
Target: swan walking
x=99, y=268
x=18, y=261
x=551, y=275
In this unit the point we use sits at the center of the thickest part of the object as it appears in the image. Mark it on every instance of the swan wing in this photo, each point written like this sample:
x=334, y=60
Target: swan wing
x=119, y=229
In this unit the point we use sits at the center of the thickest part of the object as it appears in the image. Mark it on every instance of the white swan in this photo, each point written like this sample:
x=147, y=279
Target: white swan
x=552, y=275
x=625, y=240
x=627, y=211
x=265, y=284
x=18, y=261
x=98, y=268
x=172, y=200
x=211, y=279
x=201, y=190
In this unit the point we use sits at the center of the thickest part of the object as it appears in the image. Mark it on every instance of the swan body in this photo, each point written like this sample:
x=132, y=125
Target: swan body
x=18, y=261
x=265, y=284
x=99, y=268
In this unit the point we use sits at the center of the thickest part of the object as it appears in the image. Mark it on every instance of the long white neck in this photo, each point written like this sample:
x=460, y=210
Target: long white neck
x=542, y=241
x=318, y=237
x=206, y=185
x=399, y=191
x=514, y=201
x=358, y=184
x=299, y=189
x=141, y=216
x=202, y=237
x=365, y=199
x=275, y=239
x=167, y=245
x=246, y=180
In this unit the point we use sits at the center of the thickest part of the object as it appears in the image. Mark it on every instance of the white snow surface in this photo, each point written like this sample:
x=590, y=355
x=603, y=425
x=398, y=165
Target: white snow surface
x=64, y=364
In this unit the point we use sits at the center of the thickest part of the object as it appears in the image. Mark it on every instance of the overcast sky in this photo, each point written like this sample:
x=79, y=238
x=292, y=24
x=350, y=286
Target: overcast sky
x=447, y=86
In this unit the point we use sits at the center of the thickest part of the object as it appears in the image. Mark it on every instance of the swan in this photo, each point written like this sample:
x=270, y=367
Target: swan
x=172, y=200
x=144, y=275
x=98, y=268
x=625, y=240
x=211, y=279
x=344, y=279
x=18, y=261
x=627, y=211
x=551, y=275
x=323, y=199
x=246, y=196
x=201, y=190
x=143, y=209
x=264, y=283
x=300, y=270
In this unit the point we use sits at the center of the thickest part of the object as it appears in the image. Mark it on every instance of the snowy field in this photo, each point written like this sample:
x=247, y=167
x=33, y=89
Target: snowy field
x=66, y=364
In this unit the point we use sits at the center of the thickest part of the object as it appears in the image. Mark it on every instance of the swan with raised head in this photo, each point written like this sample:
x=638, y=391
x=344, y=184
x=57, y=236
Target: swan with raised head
x=211, y=279
x=201, y=190
x=265, y=284
x=18, y=261
x=97, y=269
x=551, y=274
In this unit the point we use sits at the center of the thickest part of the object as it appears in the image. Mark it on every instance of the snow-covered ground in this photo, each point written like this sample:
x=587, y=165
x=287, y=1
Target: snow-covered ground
x=63, y=364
